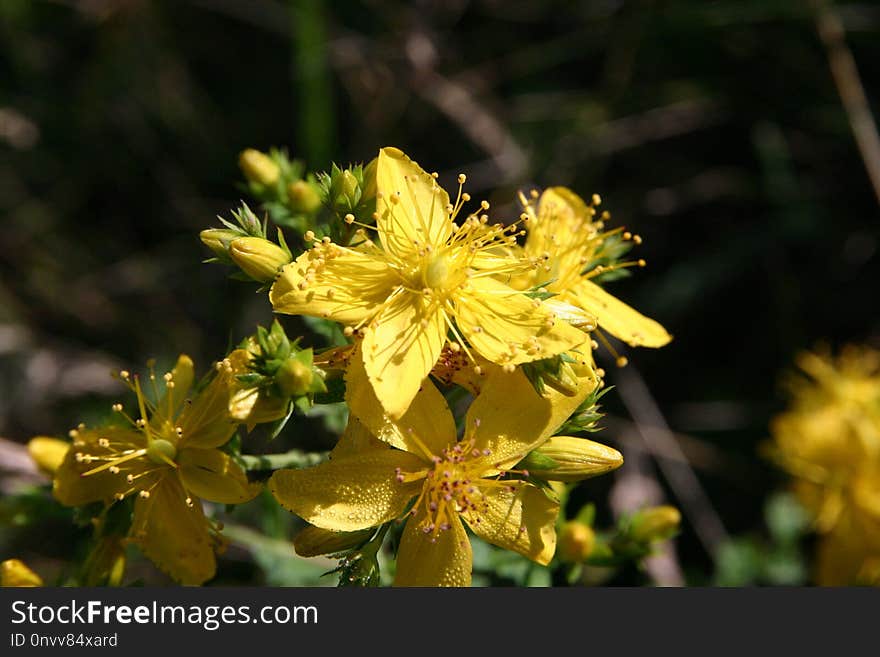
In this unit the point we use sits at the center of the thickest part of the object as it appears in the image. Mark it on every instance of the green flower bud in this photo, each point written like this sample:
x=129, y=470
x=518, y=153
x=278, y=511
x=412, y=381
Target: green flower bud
x=303, y=197
x=258, y=258
x=655, y=524
x=564, y=458
x=314, y=541
x=258, y=167
x=218, y=239
x=576, y=542
x=294, y=378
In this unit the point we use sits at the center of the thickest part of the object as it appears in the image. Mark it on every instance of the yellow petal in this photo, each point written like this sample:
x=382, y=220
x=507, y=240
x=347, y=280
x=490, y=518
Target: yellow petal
x=14, y=572
x=72, y=487
x=509, y=418
x=314, y=541
x=522, y=521
x=48, y=453
x=206, y=423
x=400, y=348
x=212, y=475
x=619, y=319
x=412, y=206
x=442, y=561
x=427, y=422
x=350, y=287
x=503, y=325
x=183, y=375
x=356, y=439
x=173, y=535
x=349, y=493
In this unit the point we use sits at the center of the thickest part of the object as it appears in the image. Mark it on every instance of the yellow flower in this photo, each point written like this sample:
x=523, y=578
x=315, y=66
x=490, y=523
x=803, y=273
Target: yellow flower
x=379, y=467
x=570, y=245
x=427, y=277
x=829, y=440
x=169, y=459
x=14, y=572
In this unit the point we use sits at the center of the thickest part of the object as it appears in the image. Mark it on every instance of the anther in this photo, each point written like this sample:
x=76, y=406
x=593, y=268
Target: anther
x=349, y=218
x=462, y=179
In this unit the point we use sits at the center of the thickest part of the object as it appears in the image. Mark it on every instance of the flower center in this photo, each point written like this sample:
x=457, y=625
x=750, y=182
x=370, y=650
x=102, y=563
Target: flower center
x=161, y=451
x=436, y=271
x=450, y=487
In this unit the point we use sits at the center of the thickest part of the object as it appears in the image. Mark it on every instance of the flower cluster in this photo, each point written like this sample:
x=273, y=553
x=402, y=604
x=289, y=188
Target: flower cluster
x=829, y=441
x=425, y=302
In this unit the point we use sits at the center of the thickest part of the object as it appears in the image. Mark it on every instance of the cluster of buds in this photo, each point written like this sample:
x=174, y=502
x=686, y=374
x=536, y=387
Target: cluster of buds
x=279, y=374
x=351, y=190
x=246, y=246
x=287, y=193
x=634, y=538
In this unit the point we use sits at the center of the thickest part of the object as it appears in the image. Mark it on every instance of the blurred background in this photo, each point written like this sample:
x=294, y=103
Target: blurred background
x=734, y=136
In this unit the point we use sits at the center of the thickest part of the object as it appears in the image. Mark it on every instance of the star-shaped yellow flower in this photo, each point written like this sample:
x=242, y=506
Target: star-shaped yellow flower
x=564, y=237
x=379, y=468
x=427, y=277
x=169, y=459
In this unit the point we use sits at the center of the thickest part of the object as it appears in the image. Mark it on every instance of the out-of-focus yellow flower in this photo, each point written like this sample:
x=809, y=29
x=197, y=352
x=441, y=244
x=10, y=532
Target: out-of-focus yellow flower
x=576, y=542
x=302, y=197
x=570, y=242
x=48, y=453
x=380, y=466
x=168, y=458
x=656, y=523
x=426, y=277
x=14, y=572
x=258, y=167
x=829, y=440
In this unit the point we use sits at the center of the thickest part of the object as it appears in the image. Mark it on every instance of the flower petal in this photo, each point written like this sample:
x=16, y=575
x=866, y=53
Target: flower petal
x=72, y=487
x=619, y=319
x=427, y=422
x=442, y=561
x=349, y=493
x=509, y=418
x=522, y=520
x=400, y=348
x=173, y=535
x=206, y=423
x=412, y=206
x=212, y=475
x=349, y=288
x=503, y=324
x=183, y=375
x=356, y=439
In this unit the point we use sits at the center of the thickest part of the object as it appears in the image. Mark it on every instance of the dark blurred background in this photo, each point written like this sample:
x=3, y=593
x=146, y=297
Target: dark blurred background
x=715, y=129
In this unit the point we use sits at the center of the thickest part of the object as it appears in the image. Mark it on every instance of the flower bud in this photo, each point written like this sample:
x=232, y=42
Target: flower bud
x=303, y=197
x=218, y=239
x=314, y=541
x=294, y=378
x=258, y=258
x=655, y=523
x=47, y=453
x=564, y=458
x=15, y=573
x=576, y=542
x=258, y=167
